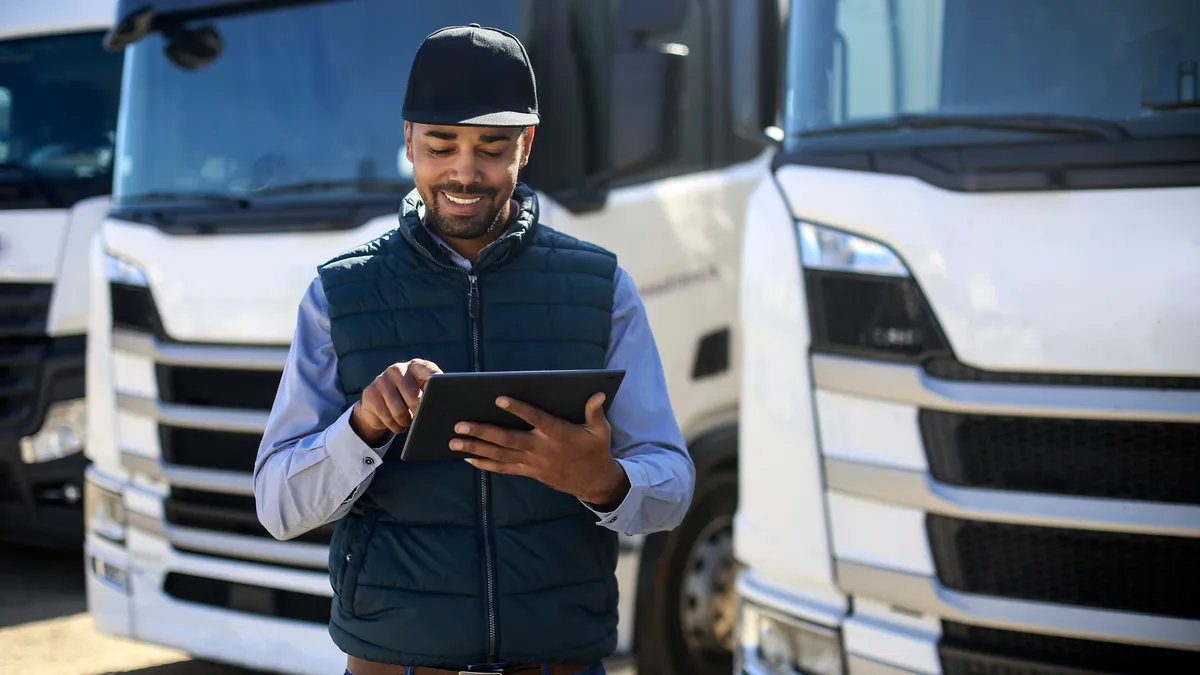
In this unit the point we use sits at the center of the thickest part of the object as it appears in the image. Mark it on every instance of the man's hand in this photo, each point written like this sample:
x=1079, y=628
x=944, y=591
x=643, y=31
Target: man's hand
x=570, y=458
x=389, y=402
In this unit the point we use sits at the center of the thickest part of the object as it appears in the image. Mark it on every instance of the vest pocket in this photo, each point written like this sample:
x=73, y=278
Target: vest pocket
x=358, y=537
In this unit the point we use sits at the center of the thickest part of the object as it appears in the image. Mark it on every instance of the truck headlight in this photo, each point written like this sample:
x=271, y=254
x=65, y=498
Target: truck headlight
x=862, y=300
x=62, y=433
x=103, y=512
x=121, y=271
x=781, y=645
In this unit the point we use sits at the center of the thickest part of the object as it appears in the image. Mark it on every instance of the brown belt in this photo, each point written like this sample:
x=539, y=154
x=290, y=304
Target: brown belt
x=358, y=666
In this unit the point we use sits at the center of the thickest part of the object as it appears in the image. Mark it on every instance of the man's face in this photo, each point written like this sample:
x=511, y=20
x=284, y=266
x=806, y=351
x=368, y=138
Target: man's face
x=466, y=175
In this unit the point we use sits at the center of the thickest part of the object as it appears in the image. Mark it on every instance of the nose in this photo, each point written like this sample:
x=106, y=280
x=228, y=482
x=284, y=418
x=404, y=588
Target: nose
x=465, y=169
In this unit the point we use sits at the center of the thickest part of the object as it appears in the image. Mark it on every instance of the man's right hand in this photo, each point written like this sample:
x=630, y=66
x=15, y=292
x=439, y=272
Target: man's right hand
x=389, y=402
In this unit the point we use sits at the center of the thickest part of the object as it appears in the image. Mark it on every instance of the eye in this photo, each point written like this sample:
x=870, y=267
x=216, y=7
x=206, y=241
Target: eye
x=493, y=155
x=440, y=152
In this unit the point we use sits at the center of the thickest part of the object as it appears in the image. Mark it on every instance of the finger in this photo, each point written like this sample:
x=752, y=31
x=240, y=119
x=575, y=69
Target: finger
x=537, y=417
x=595, y=420
x=473, y=446
x=406, y=385
x=396, y=406
x=376, y=405
x=421, y=370
x=492, y=465
x=505, y=438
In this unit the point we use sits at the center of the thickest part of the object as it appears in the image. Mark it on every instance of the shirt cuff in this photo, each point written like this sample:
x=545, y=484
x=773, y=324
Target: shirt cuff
x=350, y=454
x=622, y=518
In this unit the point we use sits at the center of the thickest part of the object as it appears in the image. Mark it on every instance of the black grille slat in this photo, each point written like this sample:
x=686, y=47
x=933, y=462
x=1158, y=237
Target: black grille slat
x=1154, y=461
x=228, y=514
x=218, y=387
x=23, y=309
x=976, y=650
x=133, y=308
x=248, y=598
x=1110, y=570
x=209, y=449
x=947, y=368
x=20, y=376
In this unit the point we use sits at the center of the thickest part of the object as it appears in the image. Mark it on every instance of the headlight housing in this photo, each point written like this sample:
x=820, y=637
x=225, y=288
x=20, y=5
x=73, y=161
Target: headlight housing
x=103, y=512
x=62, y=434
x=862, y=300
x=132, y=302
x=773, y=644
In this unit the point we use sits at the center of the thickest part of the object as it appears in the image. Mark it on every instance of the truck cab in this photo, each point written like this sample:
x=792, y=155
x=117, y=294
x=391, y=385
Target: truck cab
x=970, y=384
x=59, y=96
x=257, y=141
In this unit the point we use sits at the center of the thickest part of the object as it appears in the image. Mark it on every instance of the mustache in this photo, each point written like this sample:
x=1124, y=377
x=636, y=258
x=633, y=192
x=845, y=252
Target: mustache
x=455, y=187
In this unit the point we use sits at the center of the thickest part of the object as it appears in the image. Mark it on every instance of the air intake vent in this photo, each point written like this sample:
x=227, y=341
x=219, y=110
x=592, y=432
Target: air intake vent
x=24, y=309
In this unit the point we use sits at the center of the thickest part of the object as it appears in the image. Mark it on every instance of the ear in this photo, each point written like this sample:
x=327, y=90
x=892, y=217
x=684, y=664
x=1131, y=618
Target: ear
x=408, y=136
x=527, y=145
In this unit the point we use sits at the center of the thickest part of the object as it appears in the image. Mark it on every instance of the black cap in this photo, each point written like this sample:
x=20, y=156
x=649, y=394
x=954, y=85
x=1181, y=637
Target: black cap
x=470, y=75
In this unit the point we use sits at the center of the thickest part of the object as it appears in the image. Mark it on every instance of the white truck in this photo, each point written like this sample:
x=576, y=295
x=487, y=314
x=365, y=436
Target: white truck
x=257, y=141
x=59, y=96
x=969, y=321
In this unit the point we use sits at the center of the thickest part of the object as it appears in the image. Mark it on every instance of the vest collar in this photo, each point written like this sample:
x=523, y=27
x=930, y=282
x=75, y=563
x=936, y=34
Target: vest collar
x=519, y=233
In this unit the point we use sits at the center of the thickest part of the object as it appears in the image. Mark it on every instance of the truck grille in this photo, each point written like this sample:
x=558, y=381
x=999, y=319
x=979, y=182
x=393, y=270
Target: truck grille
x=229, y=514
x=1153, y=461
x=24, y=346
x=247, y=598
x=1136, y=573
x=973, y=650
x=208, y=449
x=219, y=387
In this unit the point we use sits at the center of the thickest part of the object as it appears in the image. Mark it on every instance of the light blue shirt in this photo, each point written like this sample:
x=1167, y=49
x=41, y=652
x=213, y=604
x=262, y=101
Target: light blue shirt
x=311, y=466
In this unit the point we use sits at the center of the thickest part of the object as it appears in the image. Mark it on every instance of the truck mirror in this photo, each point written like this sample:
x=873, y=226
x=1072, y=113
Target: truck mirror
x=645, y=108
x=755, y=54
x=651, y=16
x=193, y=48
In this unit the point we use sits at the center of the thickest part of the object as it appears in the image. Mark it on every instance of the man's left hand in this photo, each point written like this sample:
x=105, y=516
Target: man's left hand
x=571, y=458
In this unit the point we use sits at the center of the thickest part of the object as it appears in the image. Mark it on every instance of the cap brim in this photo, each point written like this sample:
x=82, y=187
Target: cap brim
x=473, y=118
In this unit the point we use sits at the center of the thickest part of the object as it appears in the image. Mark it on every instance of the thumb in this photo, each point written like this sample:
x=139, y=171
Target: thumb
x=594, y=413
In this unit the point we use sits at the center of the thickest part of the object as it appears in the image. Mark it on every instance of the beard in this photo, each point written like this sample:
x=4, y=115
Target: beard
x=463, y=227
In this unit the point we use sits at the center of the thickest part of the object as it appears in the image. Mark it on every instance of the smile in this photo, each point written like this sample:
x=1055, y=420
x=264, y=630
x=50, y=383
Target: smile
x=464, y=202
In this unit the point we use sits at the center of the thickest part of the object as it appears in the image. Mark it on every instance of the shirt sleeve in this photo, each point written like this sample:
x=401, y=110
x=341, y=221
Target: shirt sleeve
x=646, y=440
x=311, y=465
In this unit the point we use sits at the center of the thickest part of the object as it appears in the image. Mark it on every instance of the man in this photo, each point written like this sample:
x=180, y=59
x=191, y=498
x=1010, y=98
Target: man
x=503, y=563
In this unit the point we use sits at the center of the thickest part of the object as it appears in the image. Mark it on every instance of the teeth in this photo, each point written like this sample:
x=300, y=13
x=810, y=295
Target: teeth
x=464, y=202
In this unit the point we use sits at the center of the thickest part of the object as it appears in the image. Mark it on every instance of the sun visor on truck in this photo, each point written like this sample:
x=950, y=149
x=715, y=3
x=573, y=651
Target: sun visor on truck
x=136, y=18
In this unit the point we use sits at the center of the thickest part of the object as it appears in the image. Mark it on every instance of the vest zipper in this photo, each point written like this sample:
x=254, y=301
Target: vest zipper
x=473, y=312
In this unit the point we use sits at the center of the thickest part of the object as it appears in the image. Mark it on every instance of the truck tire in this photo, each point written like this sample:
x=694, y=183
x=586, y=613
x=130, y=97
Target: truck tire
x=687, y=627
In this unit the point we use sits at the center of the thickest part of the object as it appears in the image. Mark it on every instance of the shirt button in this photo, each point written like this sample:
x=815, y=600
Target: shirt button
x=369, y=461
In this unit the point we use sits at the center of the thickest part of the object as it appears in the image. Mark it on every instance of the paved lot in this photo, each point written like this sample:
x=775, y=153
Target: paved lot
x=45, y=629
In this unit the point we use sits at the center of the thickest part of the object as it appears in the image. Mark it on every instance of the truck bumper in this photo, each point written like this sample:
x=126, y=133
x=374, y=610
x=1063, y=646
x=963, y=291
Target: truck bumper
x=40, y=504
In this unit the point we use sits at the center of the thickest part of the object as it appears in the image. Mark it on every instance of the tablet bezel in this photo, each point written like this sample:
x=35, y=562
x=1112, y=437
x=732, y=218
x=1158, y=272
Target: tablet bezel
x=471, y=397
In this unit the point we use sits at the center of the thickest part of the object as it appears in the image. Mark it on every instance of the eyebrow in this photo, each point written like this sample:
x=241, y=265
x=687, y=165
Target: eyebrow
x=451, y=136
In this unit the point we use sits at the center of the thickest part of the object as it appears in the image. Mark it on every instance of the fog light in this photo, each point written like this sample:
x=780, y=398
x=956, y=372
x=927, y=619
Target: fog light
x=103, y=512
x=110, y=574
x=61, y=435
x=783, y=645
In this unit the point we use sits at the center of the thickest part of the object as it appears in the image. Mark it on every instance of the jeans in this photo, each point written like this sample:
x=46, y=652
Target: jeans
x=594, y=669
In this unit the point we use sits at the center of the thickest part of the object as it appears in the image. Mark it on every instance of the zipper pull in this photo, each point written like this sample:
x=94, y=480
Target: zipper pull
x=473, y=298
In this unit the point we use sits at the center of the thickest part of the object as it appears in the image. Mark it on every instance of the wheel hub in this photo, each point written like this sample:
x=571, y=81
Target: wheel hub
x=707, y=598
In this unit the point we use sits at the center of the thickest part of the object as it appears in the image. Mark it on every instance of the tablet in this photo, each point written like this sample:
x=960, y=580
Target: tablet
x=450, y=398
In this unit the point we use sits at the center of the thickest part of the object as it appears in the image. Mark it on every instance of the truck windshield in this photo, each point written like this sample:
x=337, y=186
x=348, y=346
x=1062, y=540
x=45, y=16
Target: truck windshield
x=910, y=71
x=59, y=96
x=303, y=100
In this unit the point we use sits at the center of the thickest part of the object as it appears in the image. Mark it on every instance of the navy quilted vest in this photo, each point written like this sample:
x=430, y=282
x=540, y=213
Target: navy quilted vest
x=440, y=564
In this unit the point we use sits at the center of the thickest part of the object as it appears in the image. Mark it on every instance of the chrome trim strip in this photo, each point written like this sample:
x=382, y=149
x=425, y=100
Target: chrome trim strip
x=199, y=355
x=861, y=665
x=918, y=490
x=149, y=524
x=210, y=480
x=923, y=594
x=786, y=602
x=195, y=417
x=304, y=554
x=909, y=384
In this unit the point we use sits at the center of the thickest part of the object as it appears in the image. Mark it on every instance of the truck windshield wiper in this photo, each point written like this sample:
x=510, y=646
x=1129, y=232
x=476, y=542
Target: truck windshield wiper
x=193, y=197
x=308, y=187
x=1048, y=124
